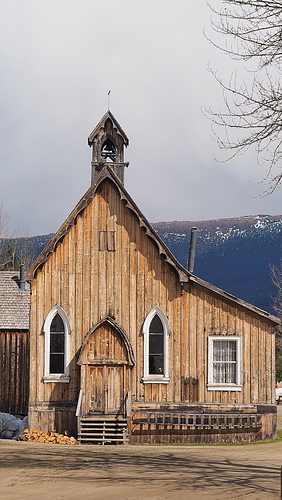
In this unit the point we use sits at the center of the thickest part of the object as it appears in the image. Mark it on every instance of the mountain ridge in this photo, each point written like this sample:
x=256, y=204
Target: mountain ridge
x=234, y=254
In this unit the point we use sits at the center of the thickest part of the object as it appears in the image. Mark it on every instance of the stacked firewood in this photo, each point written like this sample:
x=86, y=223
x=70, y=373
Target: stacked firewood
x=52, y=437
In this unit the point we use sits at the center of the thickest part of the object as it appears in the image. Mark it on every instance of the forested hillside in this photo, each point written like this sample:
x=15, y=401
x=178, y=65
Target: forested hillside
x=233, y=254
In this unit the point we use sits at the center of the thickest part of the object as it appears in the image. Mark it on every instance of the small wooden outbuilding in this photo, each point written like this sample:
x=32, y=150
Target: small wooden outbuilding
x=14, y=343
x=126, y=344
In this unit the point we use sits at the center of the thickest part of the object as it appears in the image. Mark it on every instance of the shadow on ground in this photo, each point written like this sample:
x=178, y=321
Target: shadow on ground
x=226, y=468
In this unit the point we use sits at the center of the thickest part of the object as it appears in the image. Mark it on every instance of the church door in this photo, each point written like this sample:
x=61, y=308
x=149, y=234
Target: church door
x=106, y=389
x=105, y=368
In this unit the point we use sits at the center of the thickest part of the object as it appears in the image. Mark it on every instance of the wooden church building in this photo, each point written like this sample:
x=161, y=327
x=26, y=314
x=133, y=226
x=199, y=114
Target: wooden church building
x=126, y=345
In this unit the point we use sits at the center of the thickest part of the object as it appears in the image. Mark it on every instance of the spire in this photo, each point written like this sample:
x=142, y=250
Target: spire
x=108, y=141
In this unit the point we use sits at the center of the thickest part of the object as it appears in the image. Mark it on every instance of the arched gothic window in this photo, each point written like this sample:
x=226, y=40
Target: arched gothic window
x=156, y=346
x=156, y=335
x=56, y=345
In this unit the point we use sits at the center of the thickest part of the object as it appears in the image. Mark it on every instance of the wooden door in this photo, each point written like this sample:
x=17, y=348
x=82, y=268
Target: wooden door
x=106, y=389
x=114, y=389
x=106, y=359
x=97, y=389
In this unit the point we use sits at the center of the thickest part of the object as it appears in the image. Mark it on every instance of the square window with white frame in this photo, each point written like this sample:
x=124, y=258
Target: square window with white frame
x=224, y=363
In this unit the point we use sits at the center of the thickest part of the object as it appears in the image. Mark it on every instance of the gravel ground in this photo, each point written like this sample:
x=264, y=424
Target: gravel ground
x=33, y=471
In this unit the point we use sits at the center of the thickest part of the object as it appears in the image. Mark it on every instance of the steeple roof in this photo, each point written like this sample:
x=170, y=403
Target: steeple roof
x=101, y=124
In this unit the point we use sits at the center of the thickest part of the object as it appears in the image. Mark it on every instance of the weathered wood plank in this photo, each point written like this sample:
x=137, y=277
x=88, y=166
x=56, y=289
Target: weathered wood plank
x=43, y=391
x=14, y=373
x=79, y=281
x=86, y=270
x=201, y=348
x=254, y=361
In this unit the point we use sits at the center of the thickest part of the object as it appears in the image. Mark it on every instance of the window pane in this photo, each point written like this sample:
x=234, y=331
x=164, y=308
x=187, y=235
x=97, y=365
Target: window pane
x=232, y=373
x=224, y=373
x=57, y=363
x=224, y=350
x=156, y=325
x=156, y=364
x=156, y=344
x=216, y=350
x=232, y=350
x=57, y=324
x=216, y=376
x=57, y=343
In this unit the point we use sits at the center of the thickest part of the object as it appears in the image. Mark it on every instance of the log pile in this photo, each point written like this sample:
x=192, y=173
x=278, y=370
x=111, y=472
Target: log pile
x=52, y=437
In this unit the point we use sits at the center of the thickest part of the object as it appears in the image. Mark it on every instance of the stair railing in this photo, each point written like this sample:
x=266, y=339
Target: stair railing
x=78, y=408
x=78, y=412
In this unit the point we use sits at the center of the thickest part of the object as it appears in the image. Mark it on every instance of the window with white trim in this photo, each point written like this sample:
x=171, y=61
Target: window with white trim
x=56, y=330
x=224, y=367
x=156, y=335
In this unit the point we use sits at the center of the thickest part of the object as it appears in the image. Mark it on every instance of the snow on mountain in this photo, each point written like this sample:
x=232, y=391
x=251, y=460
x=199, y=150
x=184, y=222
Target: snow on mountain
x=235, y=254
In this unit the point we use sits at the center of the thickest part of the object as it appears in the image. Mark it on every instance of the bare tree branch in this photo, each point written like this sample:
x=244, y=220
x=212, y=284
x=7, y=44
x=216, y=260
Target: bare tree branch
x=252, y=116
x=4, y=222
x=276, y=273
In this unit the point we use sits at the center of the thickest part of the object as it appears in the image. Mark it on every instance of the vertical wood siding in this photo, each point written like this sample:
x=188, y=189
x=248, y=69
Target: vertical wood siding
x=14, y=372
x=126, y=283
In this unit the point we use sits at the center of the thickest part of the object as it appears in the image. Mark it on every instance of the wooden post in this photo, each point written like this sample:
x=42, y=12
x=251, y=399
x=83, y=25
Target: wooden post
x=281, y=483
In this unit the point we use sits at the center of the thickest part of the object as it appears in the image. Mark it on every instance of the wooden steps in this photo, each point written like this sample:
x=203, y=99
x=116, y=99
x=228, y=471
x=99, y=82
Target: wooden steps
x=102, y=429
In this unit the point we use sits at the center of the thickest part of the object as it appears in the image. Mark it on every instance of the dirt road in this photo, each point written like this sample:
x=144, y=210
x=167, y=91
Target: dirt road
x=33, y=471
x=41, y=471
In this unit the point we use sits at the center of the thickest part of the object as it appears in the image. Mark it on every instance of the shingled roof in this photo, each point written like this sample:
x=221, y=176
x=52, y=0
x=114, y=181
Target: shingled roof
x=14, y=303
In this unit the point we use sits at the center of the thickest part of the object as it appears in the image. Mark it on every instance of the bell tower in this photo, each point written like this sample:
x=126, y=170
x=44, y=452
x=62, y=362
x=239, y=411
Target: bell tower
x=108, y=141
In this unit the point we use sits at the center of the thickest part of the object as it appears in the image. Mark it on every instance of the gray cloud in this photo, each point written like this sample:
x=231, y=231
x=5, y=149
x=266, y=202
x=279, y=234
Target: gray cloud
x=58, y=59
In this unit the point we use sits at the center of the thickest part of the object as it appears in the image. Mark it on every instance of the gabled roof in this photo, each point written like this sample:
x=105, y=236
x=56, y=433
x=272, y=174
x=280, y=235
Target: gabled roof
x=101, y=124
x=233, y=299
x=107, y=173
x=183, y=275
x=14, y=303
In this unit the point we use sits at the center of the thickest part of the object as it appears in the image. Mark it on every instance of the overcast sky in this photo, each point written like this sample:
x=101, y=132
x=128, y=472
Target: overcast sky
x=59, y=58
